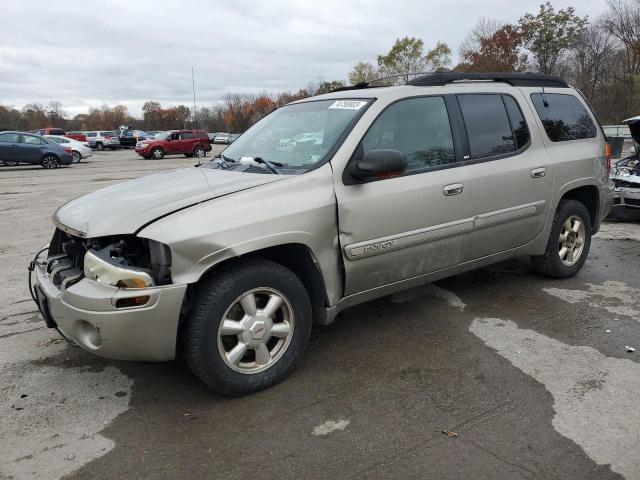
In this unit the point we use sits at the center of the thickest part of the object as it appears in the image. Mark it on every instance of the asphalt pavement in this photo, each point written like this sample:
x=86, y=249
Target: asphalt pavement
x=497, y=373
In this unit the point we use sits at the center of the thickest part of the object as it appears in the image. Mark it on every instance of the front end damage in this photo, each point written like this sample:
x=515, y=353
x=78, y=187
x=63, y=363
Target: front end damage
x=111, y=295
x=626, y=174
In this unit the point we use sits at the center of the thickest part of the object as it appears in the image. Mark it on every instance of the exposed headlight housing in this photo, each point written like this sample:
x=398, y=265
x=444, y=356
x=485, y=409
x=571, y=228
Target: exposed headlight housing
x=103, y=271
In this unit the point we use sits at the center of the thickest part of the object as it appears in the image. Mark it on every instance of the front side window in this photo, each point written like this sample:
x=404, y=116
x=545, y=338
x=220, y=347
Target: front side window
x=563, y=117
x=418, y=127
x=487, y=123
x=10, y=138
x=298, y=137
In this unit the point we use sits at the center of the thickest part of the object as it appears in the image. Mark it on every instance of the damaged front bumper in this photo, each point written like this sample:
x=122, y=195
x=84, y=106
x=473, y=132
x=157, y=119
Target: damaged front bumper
x=92, y=315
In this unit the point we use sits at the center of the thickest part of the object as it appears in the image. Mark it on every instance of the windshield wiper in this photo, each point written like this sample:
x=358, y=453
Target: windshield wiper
x=271, y=166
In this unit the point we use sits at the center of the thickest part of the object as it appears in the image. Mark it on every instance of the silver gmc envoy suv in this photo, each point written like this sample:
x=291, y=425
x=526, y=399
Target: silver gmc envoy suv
x=326, y=203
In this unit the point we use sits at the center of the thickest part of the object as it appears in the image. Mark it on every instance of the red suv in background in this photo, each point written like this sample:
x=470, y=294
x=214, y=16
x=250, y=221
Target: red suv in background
x=190, y=143
x=79, y=136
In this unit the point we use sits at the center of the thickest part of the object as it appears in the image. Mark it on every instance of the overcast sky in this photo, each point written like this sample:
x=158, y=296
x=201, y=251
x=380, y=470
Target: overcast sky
x=86, y=53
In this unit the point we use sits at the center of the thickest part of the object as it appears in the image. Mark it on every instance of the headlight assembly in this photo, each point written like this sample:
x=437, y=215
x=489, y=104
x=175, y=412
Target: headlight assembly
x=100, y=270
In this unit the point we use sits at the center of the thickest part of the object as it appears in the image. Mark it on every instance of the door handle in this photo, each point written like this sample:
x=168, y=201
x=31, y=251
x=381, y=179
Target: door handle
x=538, y=172
x=453, y=189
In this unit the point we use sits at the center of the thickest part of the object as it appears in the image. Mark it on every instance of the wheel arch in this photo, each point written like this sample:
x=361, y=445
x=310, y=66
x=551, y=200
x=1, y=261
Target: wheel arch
x=589, y=196
x=297, y=257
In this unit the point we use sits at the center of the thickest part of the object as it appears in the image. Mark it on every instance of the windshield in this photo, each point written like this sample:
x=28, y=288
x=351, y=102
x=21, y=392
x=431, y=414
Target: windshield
x=297, y=137
x=162, y=135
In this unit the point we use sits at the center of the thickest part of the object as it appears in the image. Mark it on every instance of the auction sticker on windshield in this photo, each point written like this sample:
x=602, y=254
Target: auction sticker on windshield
x=348, y=104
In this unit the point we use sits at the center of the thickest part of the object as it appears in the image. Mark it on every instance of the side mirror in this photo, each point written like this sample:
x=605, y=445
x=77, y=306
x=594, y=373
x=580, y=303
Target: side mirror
x=380, y=163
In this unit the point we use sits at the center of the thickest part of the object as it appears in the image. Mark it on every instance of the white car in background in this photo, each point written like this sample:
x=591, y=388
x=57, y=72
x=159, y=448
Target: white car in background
x=79, y=150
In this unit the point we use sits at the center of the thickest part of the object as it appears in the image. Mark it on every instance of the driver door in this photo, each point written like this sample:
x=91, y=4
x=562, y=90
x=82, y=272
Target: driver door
x=399, y=228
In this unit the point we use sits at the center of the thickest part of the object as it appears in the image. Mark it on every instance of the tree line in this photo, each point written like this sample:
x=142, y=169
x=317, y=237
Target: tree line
x=599, y=56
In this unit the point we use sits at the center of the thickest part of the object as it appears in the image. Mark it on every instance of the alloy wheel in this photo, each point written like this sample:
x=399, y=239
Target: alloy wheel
x=572, y=240
x=76, y=157
x=256, y=330
x=50, y=161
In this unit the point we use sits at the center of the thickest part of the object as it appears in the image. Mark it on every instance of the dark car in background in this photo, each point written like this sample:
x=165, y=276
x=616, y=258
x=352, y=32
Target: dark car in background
x=129, y=138
x=23, y=147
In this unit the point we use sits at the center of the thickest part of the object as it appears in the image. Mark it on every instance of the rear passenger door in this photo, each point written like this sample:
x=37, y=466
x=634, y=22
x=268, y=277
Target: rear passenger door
x=187, y=142
x=512, y=175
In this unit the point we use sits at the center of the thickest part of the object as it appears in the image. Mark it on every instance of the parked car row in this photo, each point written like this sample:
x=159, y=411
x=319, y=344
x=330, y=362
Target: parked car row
x=223, y=138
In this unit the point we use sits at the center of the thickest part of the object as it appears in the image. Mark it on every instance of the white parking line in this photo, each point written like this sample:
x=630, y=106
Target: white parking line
x=595, y=397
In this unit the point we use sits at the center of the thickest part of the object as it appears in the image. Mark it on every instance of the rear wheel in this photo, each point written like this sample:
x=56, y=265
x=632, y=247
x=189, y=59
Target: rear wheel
x=50, y=161
x=157, y=153
x=99, y=146
x=569, y=242
x=199, y=152
x=76, y=157
x=247, y=328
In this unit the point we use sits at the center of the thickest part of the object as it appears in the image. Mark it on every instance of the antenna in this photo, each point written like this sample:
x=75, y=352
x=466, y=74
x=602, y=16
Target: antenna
x=195, y=111
x=544, y=97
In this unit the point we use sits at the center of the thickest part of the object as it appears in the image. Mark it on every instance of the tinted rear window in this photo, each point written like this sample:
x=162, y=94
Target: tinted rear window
x=487, y=123
x=564, y=117
x=186, y=135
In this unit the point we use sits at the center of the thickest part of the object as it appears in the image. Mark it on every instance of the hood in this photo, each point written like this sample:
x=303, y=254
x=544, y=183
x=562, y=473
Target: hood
x=126, y=207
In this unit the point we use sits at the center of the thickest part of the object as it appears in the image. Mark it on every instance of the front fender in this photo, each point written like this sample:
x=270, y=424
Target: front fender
x=295, y=210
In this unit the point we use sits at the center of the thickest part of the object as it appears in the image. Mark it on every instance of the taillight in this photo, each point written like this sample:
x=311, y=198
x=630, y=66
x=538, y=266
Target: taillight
x=607, y=156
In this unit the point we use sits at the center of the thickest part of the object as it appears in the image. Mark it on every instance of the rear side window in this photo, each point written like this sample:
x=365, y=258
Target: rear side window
x=418, y=127
x=186, y=135
x=33, y=140
x=91, y=134
x=487, y=123
x=56, y=131
x=563, y=117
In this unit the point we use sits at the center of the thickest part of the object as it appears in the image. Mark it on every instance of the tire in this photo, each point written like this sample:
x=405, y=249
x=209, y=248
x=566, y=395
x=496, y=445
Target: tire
x=76, y=157
x=199, y=152
x=99, y=146
x=10, y=163
x=157, y=153
x=188, y=155
x=206, y=348
x=554, y=263
x=50, y=161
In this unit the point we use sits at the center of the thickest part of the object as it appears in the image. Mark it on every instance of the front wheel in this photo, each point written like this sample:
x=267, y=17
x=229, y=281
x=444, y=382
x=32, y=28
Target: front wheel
x=99, y=146
x=76, y=157
x=569, y=242
x=157, y=153
x=247, y=328
x=50, y=161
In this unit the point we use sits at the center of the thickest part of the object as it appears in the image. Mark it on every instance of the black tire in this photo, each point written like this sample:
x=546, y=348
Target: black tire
x=50, y=161
x=188, y=155
x=157, y=153
x=76, y=157
x=199, y=152
x=550, y=264
x=213, y=297
x=99, y=146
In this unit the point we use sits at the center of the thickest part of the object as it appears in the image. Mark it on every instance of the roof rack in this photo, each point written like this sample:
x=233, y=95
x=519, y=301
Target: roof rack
x=434, y=79
x=515, y=79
